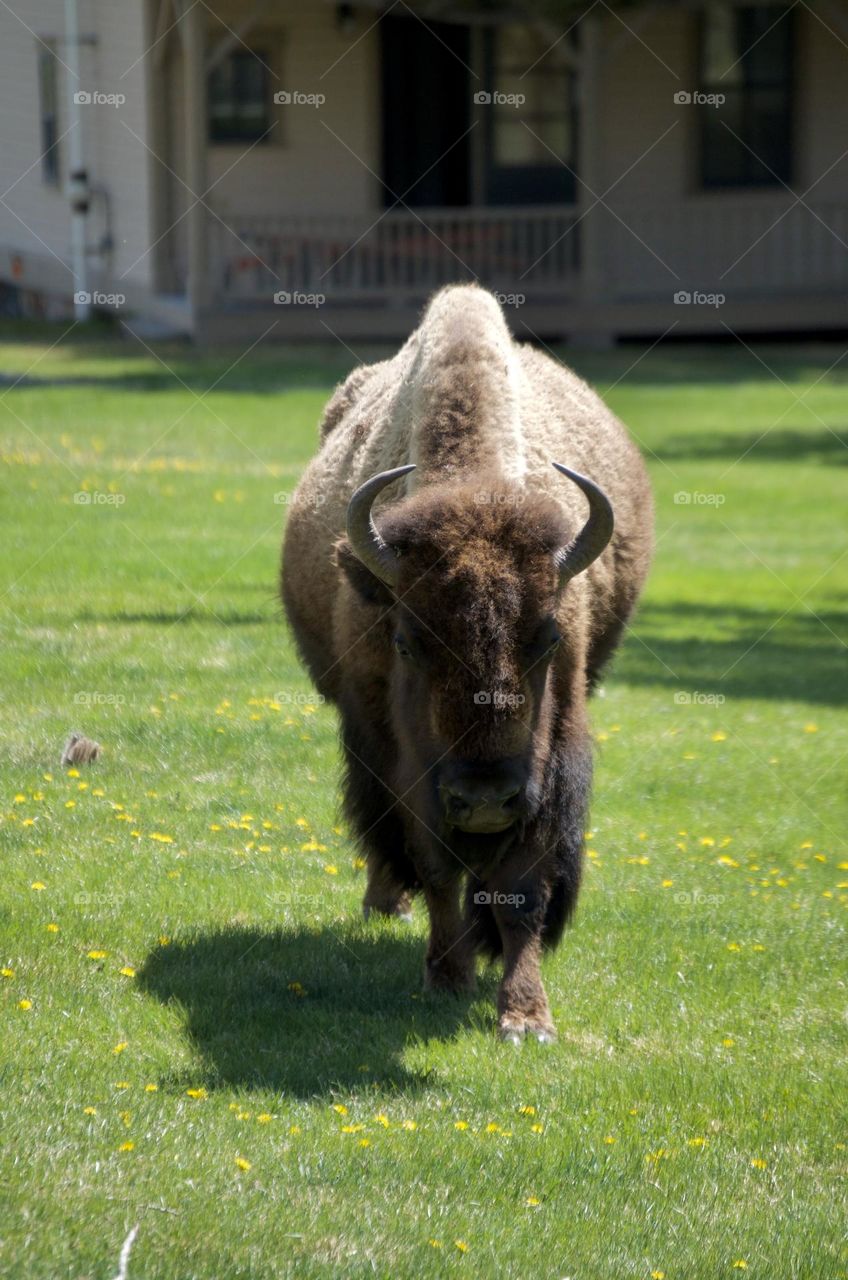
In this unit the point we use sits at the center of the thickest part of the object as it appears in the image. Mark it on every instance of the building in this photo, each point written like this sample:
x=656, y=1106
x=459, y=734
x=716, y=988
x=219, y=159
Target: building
x=252, y=166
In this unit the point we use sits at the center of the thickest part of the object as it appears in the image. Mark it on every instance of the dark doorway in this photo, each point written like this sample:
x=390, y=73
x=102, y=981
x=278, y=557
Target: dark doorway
x=426, y=110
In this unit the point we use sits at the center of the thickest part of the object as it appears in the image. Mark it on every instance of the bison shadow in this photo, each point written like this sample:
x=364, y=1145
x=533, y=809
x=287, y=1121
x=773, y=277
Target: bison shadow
x=302, y=1010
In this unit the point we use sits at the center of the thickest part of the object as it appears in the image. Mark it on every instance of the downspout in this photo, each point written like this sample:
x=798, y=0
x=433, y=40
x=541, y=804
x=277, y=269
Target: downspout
x=78, y=191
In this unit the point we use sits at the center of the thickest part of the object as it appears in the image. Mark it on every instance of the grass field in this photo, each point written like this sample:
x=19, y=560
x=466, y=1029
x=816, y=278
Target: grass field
x=199, y=1034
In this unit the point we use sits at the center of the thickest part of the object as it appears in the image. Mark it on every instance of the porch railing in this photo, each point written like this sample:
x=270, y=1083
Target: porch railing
x=396, y=255
x=751, y=247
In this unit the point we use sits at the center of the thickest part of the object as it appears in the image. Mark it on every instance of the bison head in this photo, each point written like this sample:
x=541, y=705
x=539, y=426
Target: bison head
x=480, y=645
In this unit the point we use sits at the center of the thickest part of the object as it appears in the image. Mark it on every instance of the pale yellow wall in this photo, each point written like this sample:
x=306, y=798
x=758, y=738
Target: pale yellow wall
x=303, y=168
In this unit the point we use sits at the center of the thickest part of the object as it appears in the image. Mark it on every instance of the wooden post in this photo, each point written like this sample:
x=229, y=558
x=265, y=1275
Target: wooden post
x=195, y=140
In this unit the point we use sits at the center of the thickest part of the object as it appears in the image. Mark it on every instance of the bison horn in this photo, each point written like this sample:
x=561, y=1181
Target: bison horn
x=594, y=535
x=367, y=544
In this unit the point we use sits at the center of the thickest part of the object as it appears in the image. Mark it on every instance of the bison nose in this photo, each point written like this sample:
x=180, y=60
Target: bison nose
x=473, y=805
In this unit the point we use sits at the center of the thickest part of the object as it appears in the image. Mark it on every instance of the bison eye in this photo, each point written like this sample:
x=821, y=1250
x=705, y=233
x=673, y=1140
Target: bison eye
x=402, y=648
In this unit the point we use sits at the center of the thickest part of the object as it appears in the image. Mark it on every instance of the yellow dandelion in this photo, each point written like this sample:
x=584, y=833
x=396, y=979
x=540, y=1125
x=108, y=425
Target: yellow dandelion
x=435, y=1244
x=128, y=972
x=38, y=886
x=122, y=1084
x=609, y=1140
x=537, y=1128
x=728, y=1042
x=526, y=1111
x=331, y=870
x=697, y=1142
x=461, y=1246
x=97, y=955
x=666, y=884
x=493, y=1128
x=242, y=1164
x=51, y=927
x=24, y=1004
x=73, y=773
x=740, y=1265
x=461, y=1125
x=197, y=1093
x=409, y=1124
x=532, y=1201
x=657, y=1275
x=383, y=1120
x=811, y=728
x=127, y=1146
x=365, y=1142
x=7, y=973
x=89, y=1111
x=264, y=1117
x=151, y=1088
x=340, y=1108
x=120, y=1046
x=719, y=736
x=294, y=1128
x=759, y=1163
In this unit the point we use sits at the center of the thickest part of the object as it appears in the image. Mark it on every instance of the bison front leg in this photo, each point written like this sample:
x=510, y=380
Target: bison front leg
x=522, y=1003
x=450, y=956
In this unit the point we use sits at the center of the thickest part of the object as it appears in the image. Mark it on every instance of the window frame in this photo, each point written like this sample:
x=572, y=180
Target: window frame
x=48, y=114
x=264, y=52
x=756, y=175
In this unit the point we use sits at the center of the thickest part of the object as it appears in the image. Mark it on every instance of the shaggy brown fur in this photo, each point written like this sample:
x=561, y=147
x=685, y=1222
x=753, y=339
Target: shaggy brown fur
x=470, y=676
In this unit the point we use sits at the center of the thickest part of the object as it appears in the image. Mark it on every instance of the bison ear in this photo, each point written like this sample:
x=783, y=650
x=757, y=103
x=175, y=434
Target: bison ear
x=363, y=581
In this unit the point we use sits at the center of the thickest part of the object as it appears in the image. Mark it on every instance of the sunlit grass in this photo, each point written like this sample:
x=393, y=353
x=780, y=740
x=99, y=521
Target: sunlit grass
x=200, y=1035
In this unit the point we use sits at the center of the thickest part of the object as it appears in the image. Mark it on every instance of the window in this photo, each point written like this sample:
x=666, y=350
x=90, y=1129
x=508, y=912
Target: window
x=48, y=103
x=239, y=98
x=531, y=119
x=746, y=54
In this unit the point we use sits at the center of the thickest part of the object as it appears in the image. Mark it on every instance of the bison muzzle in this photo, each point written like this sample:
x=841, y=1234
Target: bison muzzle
x=460, y=560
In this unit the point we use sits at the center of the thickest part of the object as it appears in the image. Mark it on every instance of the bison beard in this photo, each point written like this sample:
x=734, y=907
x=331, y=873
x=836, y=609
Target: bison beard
x=469, y=619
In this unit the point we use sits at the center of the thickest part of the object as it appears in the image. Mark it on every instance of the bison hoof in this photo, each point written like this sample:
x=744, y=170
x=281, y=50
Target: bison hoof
x=402, y=913
x=512, y=1029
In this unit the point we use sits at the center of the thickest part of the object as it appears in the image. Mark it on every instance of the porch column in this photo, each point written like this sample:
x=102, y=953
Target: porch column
x=590, y=169
x=194, y=52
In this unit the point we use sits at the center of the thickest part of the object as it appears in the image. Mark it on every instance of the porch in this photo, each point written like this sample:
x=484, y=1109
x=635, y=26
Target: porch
x=764, y=262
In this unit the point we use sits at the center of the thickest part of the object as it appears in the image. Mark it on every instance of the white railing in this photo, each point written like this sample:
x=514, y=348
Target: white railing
x=745, y=247
x=397, y=255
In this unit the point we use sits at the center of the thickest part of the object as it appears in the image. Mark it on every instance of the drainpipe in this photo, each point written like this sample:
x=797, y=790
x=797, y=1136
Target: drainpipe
x=78, y=189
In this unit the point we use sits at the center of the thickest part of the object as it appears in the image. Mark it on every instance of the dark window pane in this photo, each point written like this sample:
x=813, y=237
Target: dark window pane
x=238, y=96
x=746, y=54
x=49, y=111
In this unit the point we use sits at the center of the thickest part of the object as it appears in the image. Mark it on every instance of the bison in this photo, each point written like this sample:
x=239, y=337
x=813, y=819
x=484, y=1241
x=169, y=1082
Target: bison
x=450, y=594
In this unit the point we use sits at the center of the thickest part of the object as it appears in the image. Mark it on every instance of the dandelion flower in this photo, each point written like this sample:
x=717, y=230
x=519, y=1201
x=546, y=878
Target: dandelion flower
x=197, y=1093
x=121, y=1046
x=409, y=1124
x=537, y=1128
x=151, y=1088
x=7, y=973
x=461, y=1246
x=38, y=886
x=340, y=1108
x=242, y=1164
x=264, y=1118
x=532, y=1201
x=24, y=1004
x=759, y=1163
x=460, y=1124
x=128, y=972
x=89, y=1111
x=51, y=927
x=97, y=955
x=127, y=1146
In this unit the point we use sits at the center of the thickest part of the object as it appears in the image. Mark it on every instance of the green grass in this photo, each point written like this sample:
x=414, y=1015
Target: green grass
x=692, y=1115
